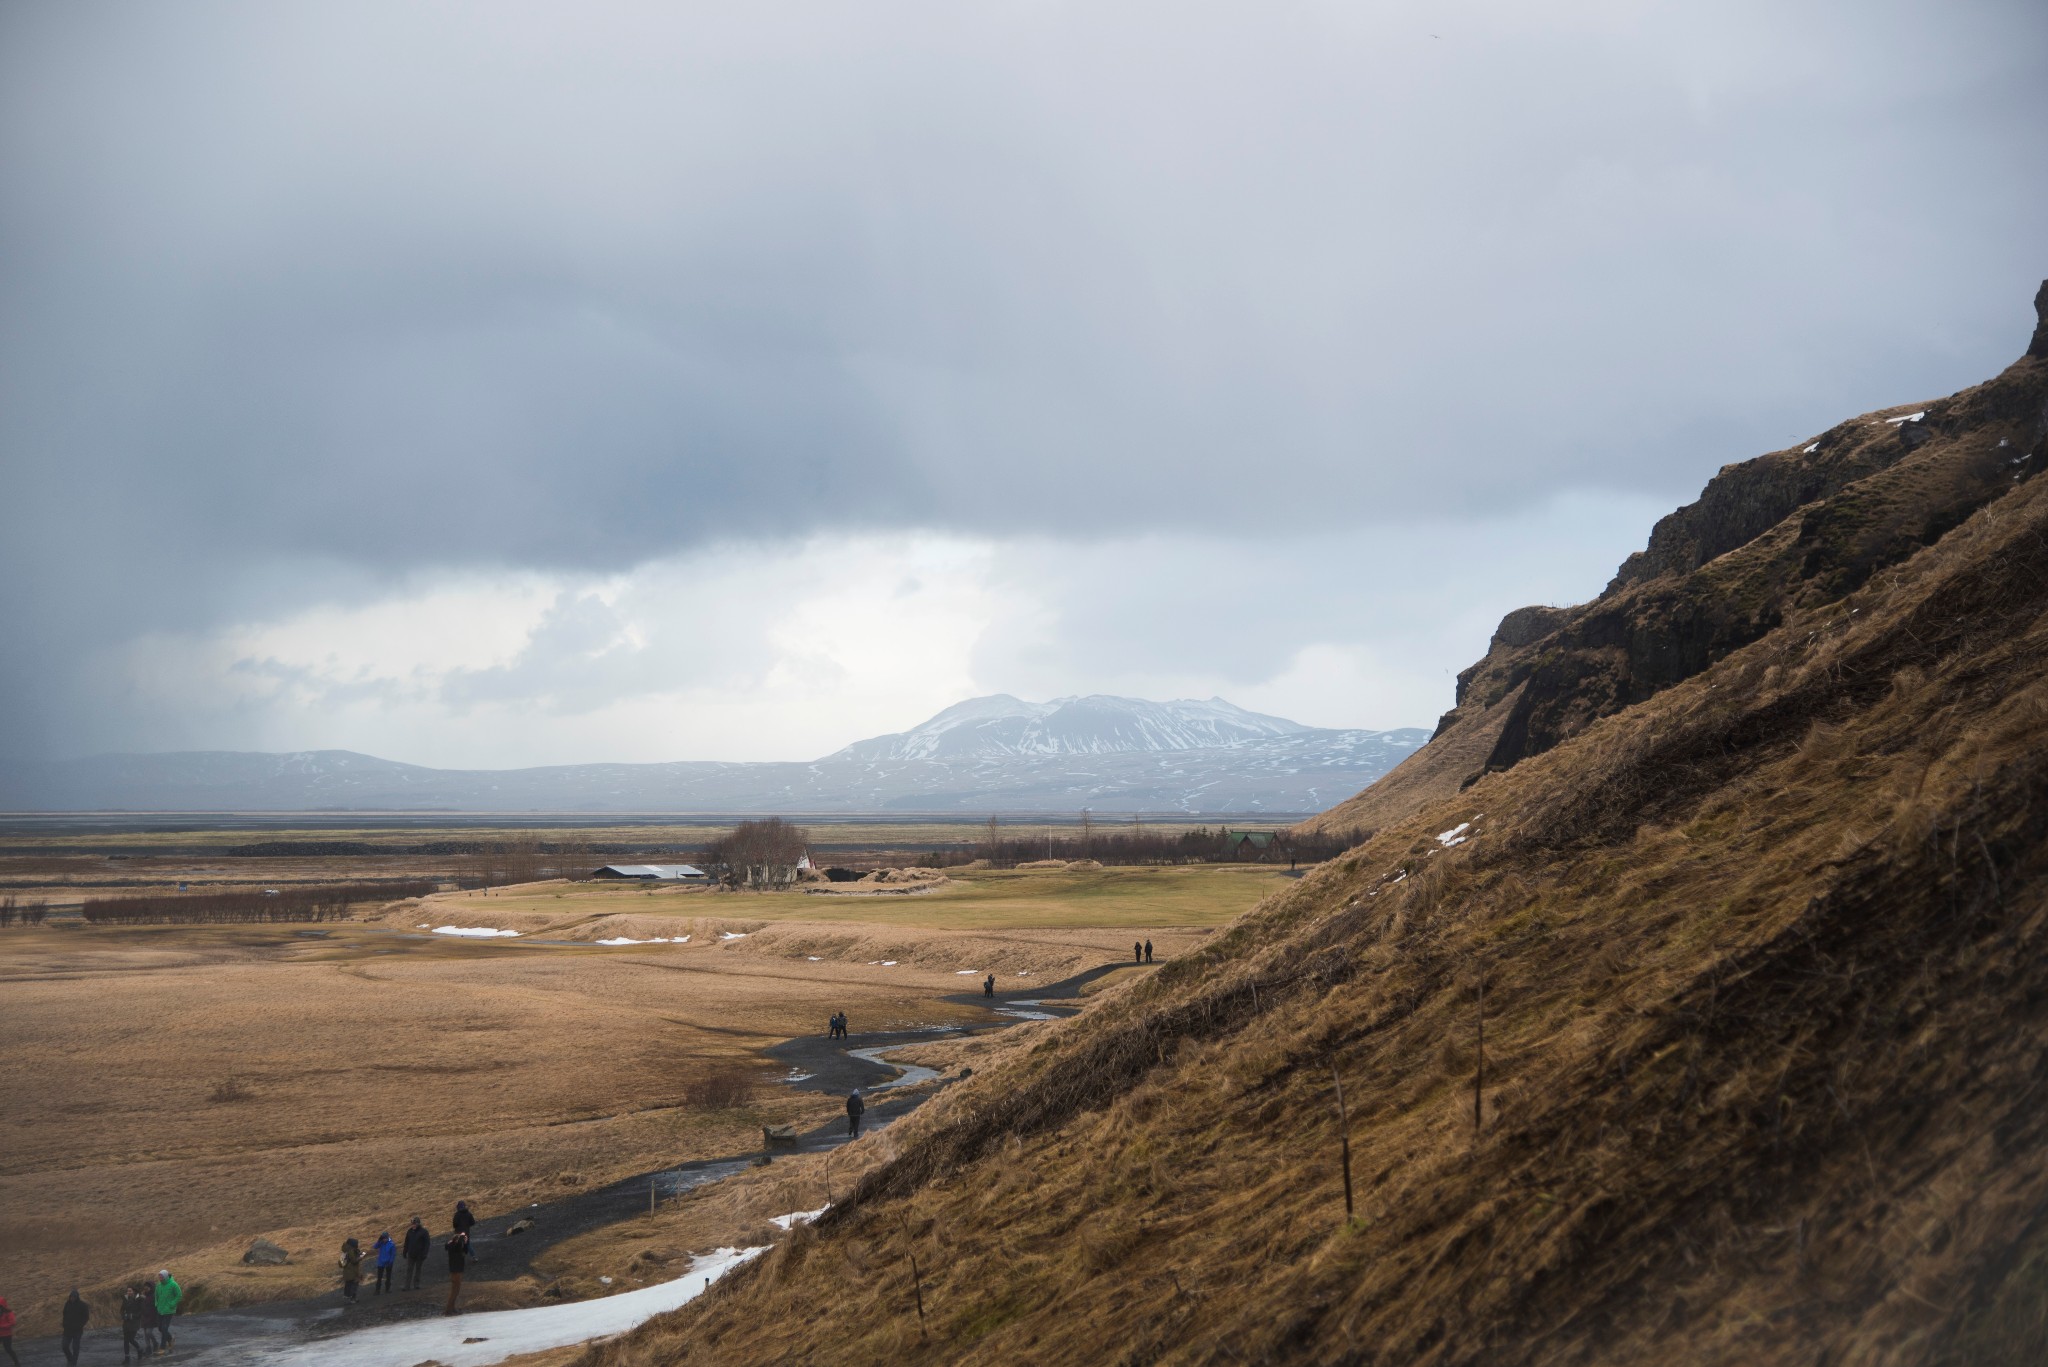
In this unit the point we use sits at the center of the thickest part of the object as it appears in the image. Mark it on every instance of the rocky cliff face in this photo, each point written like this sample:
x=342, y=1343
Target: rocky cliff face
x=1790, y=530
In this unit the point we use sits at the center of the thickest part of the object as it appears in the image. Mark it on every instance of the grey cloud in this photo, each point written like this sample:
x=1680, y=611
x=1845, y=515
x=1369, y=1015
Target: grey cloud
x=296, y=301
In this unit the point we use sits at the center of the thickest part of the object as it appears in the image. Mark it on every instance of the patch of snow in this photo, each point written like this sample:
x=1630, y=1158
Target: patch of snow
x=492, y=1336
x=426, y=925
x=1811, y=449
x=1910, y=417
x=795, y=1077
x=814, y=958
x=606, y=1280
x=797, y=1217
x=476, y=932
x=967, y=973
x=732, y=935
x=1455, y=835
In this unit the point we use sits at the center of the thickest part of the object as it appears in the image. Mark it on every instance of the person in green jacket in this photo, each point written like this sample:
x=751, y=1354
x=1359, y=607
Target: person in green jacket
x=351, y=1266
x=169, y=1295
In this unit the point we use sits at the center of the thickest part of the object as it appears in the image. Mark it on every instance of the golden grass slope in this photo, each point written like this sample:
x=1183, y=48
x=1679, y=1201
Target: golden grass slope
x=1766, y=1058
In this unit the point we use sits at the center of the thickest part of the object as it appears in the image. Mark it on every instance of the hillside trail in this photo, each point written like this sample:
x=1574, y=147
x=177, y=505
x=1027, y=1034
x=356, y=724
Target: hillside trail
x=288, y=1331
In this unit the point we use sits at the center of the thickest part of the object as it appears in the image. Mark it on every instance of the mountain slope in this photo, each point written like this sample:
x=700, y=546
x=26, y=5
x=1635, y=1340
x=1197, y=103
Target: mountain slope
x=1764, y=958
x=1110, y=754
x=1790, y=530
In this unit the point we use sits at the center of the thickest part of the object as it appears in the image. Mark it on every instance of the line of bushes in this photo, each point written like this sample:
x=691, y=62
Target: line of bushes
x=317, y=902
x=12, y=910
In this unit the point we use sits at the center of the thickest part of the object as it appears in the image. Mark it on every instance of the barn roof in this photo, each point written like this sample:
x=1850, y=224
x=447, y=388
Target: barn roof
x=667, y=872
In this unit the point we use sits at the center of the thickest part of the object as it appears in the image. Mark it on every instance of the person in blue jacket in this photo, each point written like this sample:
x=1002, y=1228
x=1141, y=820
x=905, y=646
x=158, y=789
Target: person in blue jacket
x=387, y=1254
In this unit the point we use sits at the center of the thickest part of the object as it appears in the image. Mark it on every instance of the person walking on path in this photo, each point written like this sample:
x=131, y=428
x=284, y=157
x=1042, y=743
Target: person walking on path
x=418, y=1243
x=351, y=1267
x=76, y=1313
x=1148, y=951
x=387, y=1254
x=133, y=1298
x=151, y=1320
x=988, y=986
x=1137, y=953
x=7, y=1332
x=855, y=1108
x=458, y=1259
x=464, y=1221
x=169, y=1295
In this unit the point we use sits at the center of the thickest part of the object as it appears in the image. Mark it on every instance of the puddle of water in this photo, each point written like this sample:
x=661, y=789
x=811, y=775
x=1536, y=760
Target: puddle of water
x=912, y=1073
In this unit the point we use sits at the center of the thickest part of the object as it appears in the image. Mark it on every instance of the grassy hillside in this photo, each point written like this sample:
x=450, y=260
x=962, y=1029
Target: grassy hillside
x=1743, y=978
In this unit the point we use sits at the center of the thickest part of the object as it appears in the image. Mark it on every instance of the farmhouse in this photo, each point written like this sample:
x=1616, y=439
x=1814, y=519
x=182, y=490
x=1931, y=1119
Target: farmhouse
x=654, y=873
x=1248, y=844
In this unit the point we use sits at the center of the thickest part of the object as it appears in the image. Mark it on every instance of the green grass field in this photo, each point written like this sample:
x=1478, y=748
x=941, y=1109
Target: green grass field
x=976, y=899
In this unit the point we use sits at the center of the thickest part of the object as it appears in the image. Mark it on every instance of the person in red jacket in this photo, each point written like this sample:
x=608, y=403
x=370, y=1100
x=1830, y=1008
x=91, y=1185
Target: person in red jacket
x=7, y=1332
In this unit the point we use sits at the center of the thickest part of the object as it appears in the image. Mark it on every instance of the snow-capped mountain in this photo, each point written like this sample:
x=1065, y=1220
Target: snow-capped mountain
x=995, y=754
x=1000, y=726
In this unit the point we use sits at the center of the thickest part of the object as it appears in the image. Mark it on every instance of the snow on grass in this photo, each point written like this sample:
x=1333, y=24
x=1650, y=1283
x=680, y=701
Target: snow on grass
x=797, y=1217
x=967, y=973
x=1910, y=417
x=1455, y=835
x=1811, y=449
x=733, y=935
x=492, y=1336
x=476, y=932
x=888, y=963
x=657, y=940
x=814, y=958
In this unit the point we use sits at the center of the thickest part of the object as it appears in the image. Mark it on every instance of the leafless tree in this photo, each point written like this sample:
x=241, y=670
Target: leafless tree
x=763, y=853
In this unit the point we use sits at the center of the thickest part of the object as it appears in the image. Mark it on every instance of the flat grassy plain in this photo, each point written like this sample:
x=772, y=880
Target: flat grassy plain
x=378, y=1070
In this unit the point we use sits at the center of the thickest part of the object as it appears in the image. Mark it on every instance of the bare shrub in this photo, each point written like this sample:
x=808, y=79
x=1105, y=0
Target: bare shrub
x=230, y=1089
x=720, y=1087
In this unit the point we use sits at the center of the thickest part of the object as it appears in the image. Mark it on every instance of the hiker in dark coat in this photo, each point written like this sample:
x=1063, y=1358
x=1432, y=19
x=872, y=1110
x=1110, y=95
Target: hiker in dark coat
x=988, y=986
x=351, y=1266
x=387, y=1254
x=7, y=1332
x=1137, y=953
x=152, y=1320
x=76, y=1313
x=132, y=1301
x=855, y=1108
x=1148, y=951
x=417, y=1245
x=458, y=1259
x=463, y=1222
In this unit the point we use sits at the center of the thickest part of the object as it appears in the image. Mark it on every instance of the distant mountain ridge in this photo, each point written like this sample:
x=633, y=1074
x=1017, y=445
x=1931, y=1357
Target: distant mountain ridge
x=997, y=753
x=1002, y=726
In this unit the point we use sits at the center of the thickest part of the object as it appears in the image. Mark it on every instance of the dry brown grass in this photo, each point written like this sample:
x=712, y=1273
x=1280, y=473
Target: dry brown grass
x=1766, y=1016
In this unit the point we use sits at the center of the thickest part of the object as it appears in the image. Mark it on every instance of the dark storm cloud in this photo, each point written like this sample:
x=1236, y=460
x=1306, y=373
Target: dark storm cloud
x=296, y=301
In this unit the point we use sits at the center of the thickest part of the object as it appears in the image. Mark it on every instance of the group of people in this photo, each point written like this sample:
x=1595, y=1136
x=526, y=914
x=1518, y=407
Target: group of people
x=1141, y=952
x=835, y=1028
x=148, y=1310
x=415, y=1246
x=146, y=1314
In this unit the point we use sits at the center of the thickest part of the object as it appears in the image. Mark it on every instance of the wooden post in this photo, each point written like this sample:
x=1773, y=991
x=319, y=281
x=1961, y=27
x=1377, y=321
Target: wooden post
x=1343, y=1137
x=1479, y=1072
x=650, y=1196
x=917, y=1280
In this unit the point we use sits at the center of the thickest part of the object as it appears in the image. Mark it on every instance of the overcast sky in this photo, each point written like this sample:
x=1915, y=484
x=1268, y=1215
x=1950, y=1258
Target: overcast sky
x=497, y=384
